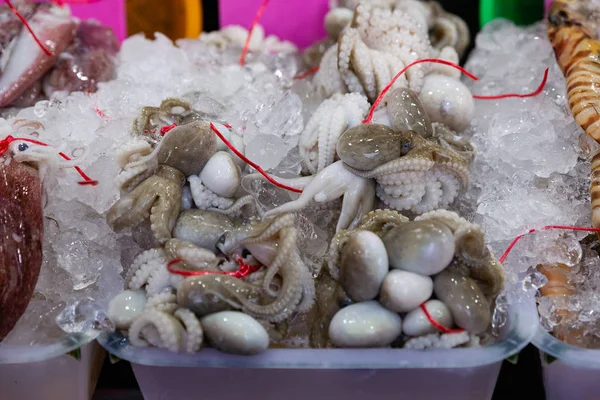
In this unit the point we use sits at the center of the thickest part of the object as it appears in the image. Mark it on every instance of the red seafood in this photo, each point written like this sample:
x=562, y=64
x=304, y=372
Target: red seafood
x=21, y=234
x=28, y=62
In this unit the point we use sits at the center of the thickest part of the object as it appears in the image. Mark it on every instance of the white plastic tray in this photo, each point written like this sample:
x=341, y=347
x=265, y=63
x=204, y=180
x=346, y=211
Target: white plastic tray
x=575, y=374
x=332, y=373
x=58, y=378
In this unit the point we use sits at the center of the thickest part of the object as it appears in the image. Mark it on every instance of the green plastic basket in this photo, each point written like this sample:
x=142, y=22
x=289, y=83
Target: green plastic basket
x=521, y=12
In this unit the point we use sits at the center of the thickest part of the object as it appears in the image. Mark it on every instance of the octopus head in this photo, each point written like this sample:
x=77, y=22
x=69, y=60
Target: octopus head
x=253, y=231
x=367, y=146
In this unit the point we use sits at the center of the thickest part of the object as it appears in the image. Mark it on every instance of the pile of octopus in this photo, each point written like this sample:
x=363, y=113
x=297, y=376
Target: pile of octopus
x=401, y=269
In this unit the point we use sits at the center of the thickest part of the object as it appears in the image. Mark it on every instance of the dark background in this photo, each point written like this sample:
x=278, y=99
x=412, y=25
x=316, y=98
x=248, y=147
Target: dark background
x=117, y=381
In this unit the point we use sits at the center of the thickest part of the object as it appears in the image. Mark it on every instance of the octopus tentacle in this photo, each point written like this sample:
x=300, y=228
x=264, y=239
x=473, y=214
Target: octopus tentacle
x=335, y=250
x=377, y=220
x=204, y=198
x=192, y=256
x=194, y=335
x=132, y=152
x=166, y=302
x=169, y=329
x=287, y=242
x=141, y=260
x=308, y=285
x=236, y=207
x=272, y=229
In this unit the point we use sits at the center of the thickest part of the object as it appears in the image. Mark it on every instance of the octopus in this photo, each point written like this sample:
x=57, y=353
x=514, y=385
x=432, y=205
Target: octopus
x=319, y=139
x=78, y=55
x=379, y=43
x=575, y=41
x=445, y=29
x=156, y=177
x=330, y=184
x=412, y=173
x=235, y=36
x=163, y=324
x=174, y=305
x=472, y=256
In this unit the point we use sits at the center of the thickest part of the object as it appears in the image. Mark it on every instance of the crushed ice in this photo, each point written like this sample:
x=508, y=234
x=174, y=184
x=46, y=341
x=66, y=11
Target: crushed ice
x=81, y=271
x=531, y=169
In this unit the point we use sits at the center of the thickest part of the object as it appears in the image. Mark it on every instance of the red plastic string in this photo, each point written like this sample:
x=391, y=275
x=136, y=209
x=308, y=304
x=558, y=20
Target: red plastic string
x=254, y=23
x=399, y=74
x=252, y=164
x=243, y=270
x=461, y=69
x=4, y=143
x=24, y=21
x=545, y=228
x=436, y=324
x=166, y=129
x=307, y=73
x=522, y=96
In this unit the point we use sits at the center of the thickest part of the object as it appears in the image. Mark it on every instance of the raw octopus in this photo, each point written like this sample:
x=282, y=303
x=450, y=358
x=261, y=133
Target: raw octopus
x=77, y=55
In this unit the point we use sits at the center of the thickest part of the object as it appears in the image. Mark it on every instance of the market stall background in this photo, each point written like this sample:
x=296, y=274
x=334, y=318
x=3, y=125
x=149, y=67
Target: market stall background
x=117, y=381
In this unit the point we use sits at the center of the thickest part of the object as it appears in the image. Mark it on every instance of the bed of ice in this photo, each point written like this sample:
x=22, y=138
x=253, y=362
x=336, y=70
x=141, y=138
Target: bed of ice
x=81, y=270
x=531, y=168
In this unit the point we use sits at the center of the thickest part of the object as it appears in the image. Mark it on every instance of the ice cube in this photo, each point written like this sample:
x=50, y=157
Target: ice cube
x=84, y=315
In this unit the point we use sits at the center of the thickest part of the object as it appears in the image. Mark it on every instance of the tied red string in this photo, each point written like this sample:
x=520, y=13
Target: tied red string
x=436, y=324
x=461, y=69
x=166, y=129
x=307, y=73
x=252, y=164
x=24, y=21
x=4, y=143
x=254, y=23
x=545, y=228
x=243, y=269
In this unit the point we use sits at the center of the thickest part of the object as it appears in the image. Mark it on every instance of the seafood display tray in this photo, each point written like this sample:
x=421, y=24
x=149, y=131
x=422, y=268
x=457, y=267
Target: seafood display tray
x=60, y=378
x=12, y=354
x=574, y=373
x=348, y=373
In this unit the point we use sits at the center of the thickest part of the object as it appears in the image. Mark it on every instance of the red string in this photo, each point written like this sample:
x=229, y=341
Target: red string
x=545, y=228
x=399, y=74
x=166, y=129
x=252, y=164
x=436, y=324
x=4, y=143
x=243, y=270
x=461, y=69
x=254, y=23
x=307, y=73
x=24, y=21
x=522, y=96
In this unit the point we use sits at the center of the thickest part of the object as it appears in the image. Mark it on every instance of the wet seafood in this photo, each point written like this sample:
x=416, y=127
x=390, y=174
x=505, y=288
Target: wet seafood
x=464, y=293
x=576, y=44
x=78, y=54
x=422, y=176
x=21, y=233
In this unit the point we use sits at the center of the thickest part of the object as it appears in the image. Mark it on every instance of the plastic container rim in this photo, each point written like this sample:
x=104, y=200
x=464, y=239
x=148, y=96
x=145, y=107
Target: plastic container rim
x=573, y=355
x=519, y=334
x=10, y=354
